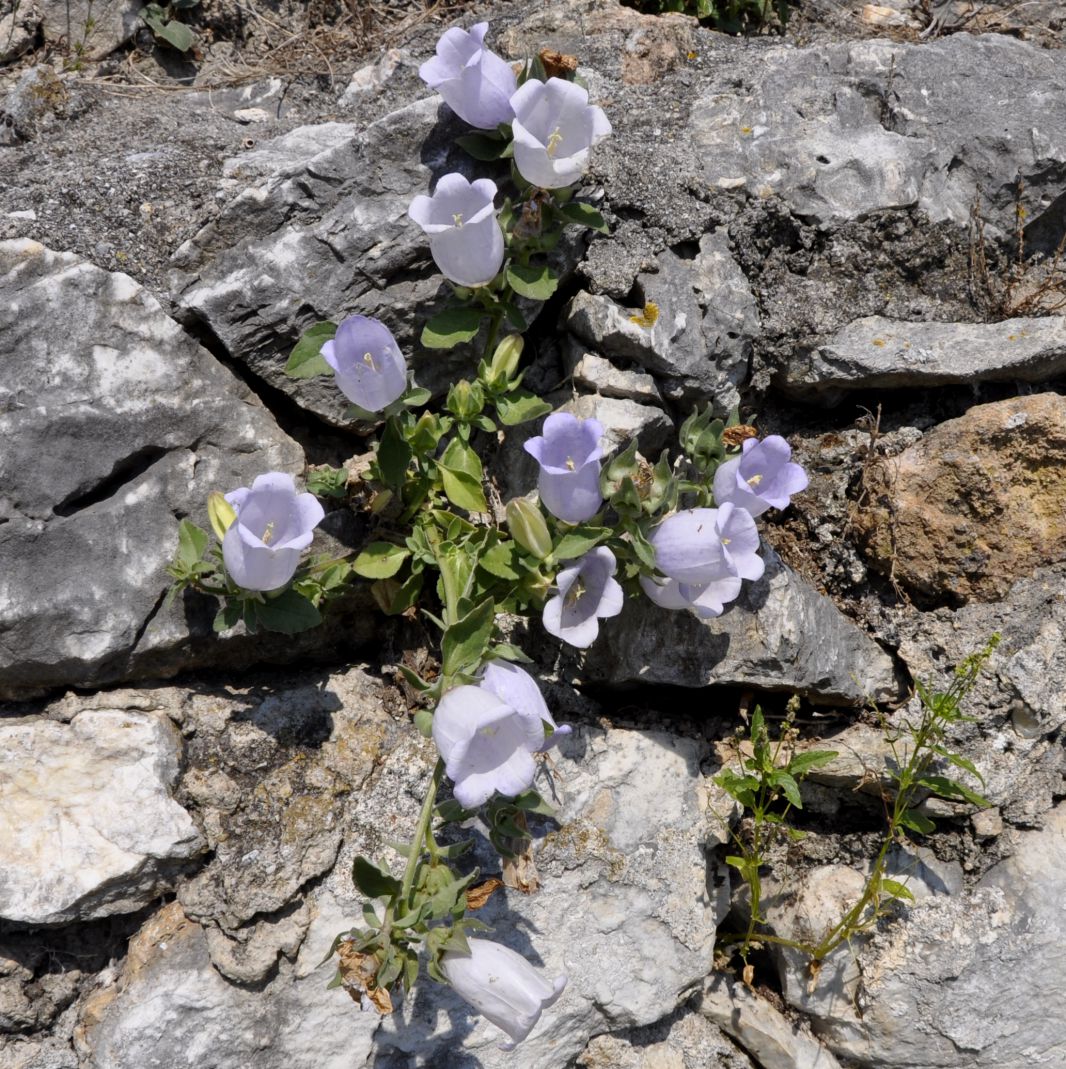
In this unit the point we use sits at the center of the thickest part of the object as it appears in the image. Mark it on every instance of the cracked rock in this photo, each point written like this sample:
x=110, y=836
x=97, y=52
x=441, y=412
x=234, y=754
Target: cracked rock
x=880, y=353
x=780, y=634
x=116, y=424
x=88, y=826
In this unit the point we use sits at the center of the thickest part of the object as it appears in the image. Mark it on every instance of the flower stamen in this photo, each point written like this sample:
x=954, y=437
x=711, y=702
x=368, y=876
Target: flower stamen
x=755, y=480
x=268, y=534
x=555, y=139
x=457, y=219
x=570, y=465
x=368, y=359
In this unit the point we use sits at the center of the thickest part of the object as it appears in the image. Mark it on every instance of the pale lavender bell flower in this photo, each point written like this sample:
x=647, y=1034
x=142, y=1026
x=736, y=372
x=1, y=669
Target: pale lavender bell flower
x=554, y=129
x=274, y=524
x=486, y=743
x=704, y=555
x=502, y=986
x=475, y=83
x=519, y=690
x=370, y=369
x=568, y=452
x=588, y=592
x=762, y=477
x=464, y=234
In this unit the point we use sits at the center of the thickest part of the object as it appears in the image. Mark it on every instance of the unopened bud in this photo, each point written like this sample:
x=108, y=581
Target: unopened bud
x=528, y=528
x=505, y=360
x=466, y=400
x=221, y=514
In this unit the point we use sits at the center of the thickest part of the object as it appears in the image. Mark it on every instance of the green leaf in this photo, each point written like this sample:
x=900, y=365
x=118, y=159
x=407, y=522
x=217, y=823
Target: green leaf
x=373, y=881
x=520, y=406
x=464, y=642
x=789, y=786
x=394, y=454
x=507, y=652
x=896, y=890
x=483, y=147
x=917, y=822
x=192, y=541
x=585, y=215
x=499, y=561
x=451, y=327
x=328, y=482
x=394, y=597
x=416, y=396
x=463, y=490
x=802, y=763
x=531, y=802
x=959, y=762
x=952, y=789
x=536, y=283
x=178, y=35
x=380, y=560
x=424, y=723
x=306, y=360
x=228, y=616
x=578, y=541
x=289, y=613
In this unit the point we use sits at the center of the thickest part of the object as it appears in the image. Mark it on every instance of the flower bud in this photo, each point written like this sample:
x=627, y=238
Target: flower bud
x=466, y=400
x=505, y=360
x=528, y=528
x=221, y=513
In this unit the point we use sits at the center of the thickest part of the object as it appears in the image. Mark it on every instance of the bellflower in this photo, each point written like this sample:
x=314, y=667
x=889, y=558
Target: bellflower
x=262, y=546
x=554, y=128
x=704, y=554
x=519, y=690
x=475, y=83
x=368, y=365
x=487, y=744
x=587, y=593
x=502, y=986
x=464, y=234
x=762, y=477
x=568, y=452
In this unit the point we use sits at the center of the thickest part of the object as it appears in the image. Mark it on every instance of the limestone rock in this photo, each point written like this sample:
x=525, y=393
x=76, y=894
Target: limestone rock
x=879, y=353
x=317, y=228
x=967, y=981
x=88, y=826
x=693, y=332
x=780, y=634
x=1018, y=702
x=18, y=29
x=91, y=28
x=600, y=376
x=760, y=1028
x=844, y=130
x=978, y=502
x=685, y=1040
x=116, y=425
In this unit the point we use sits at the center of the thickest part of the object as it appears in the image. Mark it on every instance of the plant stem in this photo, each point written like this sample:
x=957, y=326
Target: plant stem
x=421, y=832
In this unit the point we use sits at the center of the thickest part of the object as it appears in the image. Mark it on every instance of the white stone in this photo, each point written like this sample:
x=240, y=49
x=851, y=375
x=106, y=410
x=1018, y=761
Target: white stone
x=88, y=827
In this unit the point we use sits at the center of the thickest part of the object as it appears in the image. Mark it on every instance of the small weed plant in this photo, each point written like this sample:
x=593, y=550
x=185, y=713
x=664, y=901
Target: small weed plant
x=767, y=786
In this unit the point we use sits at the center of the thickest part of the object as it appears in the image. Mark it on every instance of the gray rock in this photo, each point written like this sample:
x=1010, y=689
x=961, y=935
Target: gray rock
x=32, y=103
x=685, y=1040
x=1018, y=702
x=625, y=905
x=600, y=376
x=761, y=1029
x=117, y=424
x=91, y=28
x=967, y=981
x=89, y=826
x=18, y=29
x=844, y=130
x=694, y=331
x=879, y=353
x=780, y=634
x=318, y=229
